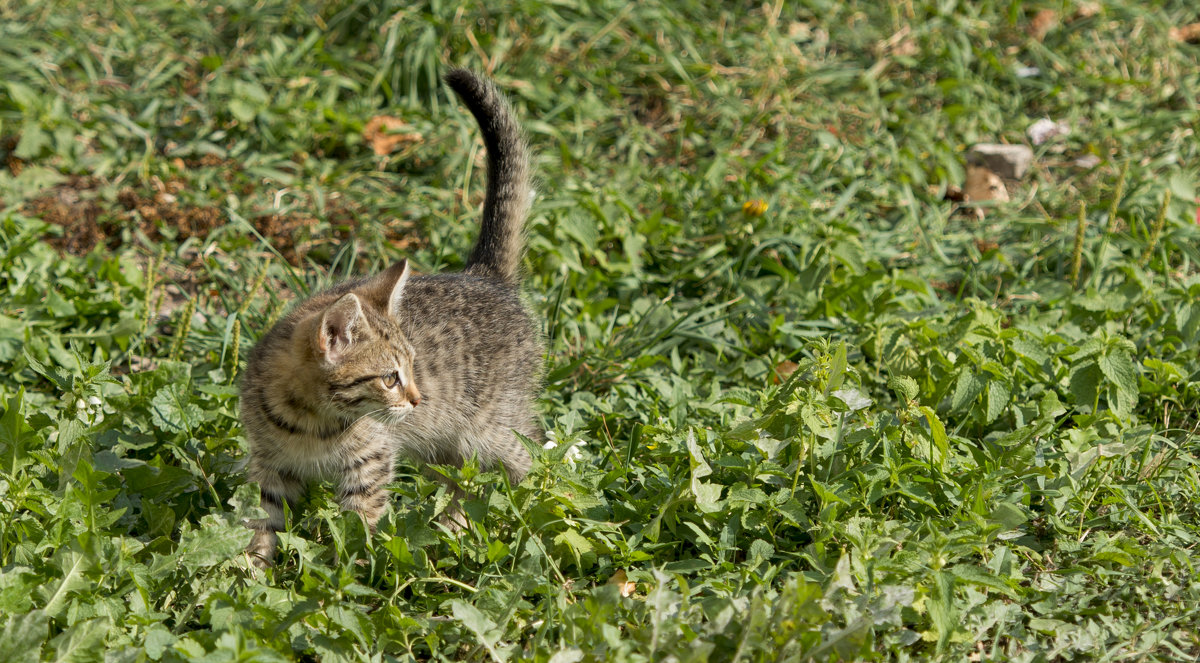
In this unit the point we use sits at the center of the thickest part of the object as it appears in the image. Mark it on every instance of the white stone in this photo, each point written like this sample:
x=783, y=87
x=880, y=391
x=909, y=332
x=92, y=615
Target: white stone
x=1045, y=129
x=1009, y=161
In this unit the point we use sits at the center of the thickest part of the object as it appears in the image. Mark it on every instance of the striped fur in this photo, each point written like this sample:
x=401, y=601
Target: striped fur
x=498, y=251
x=439, y=368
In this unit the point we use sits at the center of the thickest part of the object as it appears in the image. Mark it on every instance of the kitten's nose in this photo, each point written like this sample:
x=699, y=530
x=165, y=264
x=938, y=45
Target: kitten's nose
x=414, y=396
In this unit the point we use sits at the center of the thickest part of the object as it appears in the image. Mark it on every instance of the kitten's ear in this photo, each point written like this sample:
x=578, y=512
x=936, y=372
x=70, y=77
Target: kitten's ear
x=394, y=279
x=339, y=327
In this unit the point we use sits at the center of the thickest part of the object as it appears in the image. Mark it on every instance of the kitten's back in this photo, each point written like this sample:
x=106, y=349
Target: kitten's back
x=479, y=368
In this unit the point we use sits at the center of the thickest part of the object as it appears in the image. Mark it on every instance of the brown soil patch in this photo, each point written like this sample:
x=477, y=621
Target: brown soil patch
x=78, y=214
x=88, y=220
x=164, y=206
x=7, y=145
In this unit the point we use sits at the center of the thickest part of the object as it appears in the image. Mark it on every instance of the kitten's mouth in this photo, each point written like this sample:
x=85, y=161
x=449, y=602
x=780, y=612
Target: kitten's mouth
x=398, y=412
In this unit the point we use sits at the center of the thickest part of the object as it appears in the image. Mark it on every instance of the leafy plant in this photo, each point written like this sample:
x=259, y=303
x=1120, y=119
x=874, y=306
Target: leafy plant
x=800, y=406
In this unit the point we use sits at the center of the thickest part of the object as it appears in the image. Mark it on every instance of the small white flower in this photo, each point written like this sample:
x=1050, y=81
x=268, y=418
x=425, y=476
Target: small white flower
x=572, y=455
x=575, y=453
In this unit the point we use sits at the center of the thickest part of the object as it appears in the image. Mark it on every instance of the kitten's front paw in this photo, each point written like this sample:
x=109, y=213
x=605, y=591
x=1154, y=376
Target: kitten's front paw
x=262, y=548
x=453, y=519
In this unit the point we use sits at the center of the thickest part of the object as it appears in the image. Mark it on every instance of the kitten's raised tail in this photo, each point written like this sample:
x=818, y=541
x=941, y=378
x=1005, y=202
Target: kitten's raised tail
x=497, y=253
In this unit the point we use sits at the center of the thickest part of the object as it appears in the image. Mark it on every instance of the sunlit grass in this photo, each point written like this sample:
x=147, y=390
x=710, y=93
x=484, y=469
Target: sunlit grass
x=803, y=405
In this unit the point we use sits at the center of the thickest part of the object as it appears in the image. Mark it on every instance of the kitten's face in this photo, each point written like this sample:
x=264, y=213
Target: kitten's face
x=375, y=376
x=368, y=363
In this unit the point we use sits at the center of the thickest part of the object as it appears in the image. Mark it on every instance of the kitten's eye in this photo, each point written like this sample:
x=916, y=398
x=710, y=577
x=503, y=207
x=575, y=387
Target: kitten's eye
x=391, y=380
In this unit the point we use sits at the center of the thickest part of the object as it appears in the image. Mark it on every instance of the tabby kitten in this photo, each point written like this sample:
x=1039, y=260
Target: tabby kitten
x=440, y=368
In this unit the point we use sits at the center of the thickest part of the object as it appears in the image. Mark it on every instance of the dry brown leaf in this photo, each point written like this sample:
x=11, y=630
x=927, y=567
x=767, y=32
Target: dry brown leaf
x=1085, y=10
x=1043, y=22
x=901, y=43
x=1187, y=33
x=906, y=48
x=784, y=371
x=385, y=134
x=985, y=245
x=799, y=29
x=621, y=580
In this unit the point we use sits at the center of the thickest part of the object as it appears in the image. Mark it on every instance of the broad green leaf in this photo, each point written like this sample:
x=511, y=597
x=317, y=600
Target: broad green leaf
x=569, y=655
x=820, y=420
x=1031, y=349
x=575, y=543
x=794, y=512
x=174, y=410
x=826, y=495
x=936, y=429
x=978, y=576
x=484, y=629
x=497, y=550
x=15, y=436
x=1118, y=368
x=350, y=621
x=157, y=639
x=16, y=589
x=943, y=613
x=33, y=141
x=59, y=306
x=54, y=594
x=904, y=386
x=970, y=384
x=214, y=542
x=22, y=636
x=998, y=395
x=707, y=495
x=857, y=400
x=700, y=467
x=80, y=643
x=1085, y=383
x=760, y=551
x=837, y=369
x=1049, y=407
x=1010, y=516
x=24, y=95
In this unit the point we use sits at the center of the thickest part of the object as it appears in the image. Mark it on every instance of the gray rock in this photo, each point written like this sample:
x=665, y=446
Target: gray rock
x=1009, y=161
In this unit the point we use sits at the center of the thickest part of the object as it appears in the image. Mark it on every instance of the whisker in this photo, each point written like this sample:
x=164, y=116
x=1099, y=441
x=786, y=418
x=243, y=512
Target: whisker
x=367, y=415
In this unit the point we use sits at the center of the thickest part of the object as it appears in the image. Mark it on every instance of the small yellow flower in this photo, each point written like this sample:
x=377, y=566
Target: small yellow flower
x=754, y=207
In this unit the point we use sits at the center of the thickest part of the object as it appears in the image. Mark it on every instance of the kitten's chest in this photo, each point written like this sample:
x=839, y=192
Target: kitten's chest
x=314, y=458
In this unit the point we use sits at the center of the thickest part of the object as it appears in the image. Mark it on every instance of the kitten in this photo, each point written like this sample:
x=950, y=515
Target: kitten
x=440, y=368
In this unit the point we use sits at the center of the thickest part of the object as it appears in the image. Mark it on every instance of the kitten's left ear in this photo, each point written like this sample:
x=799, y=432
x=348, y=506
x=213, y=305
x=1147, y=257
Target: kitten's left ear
x=340, y=325
x=395, y=277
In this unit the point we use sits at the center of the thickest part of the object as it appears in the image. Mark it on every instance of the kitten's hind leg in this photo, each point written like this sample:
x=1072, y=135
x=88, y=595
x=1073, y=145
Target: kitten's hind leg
x=363, y=487
x=276, y=489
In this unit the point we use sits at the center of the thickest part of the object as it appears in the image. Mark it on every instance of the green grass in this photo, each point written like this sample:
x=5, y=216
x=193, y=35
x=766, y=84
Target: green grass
x=974, y=456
